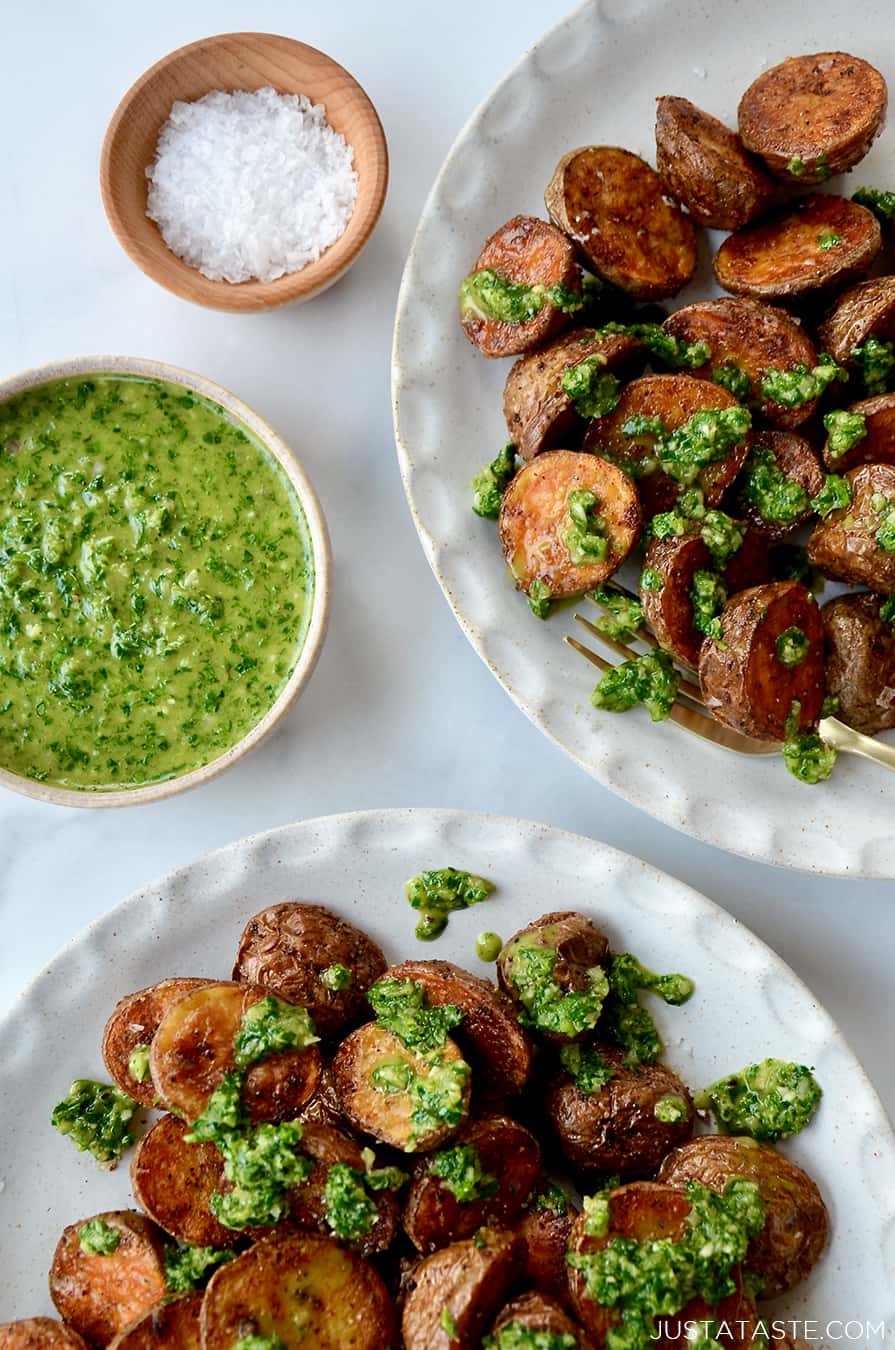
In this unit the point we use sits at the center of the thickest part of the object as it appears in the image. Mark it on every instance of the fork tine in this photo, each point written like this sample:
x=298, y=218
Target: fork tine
x=692, y=691
x=613, y=585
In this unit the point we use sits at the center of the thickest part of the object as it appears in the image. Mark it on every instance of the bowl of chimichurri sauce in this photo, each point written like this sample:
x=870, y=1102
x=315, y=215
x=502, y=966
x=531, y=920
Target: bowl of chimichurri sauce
x=163, y=581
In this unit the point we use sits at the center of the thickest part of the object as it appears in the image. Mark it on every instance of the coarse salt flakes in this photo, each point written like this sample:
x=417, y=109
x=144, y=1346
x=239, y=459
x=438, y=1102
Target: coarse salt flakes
x=250, y=185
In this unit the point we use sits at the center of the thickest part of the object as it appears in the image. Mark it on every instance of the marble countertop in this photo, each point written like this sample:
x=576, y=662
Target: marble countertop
x=400, y=711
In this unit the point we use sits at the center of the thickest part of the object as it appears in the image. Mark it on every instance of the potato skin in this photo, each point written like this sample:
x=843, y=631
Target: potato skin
x=307, y=1208
x=780, y=256
x=471, y=1281
x=39, y=1333
x=173, y=1325
x=797, y=460
x=101, y=1295
x=863, y=311
x=173, y=1181
x=860, y=661
x=490, y=1037
x=434, y=1217
x=546, y=1235
x=824, y=109
x=615, y=1129
x=612, y=205
x=647, y=1210
x=744, y=685
x=579, y=945
x=539, y=413
x=756, y=337
x=535, y=515
x=287, y=947
x=796, y=1227
x=877, y=446
x=844, y=545
x=706, y=167
x=541, y=1315
x=675, y=399
x=385, y=1116
x=304, y=1289
x=530, y=251
x=669, y=611
x=193, y=1049
x=134, y=1021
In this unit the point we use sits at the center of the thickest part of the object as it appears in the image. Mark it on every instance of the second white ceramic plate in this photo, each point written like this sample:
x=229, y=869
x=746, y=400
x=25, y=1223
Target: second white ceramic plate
x=747, y=1005
x=594, y=80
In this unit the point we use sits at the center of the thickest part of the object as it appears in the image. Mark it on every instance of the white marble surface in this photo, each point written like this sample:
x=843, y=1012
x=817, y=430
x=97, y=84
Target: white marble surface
x=400, y=711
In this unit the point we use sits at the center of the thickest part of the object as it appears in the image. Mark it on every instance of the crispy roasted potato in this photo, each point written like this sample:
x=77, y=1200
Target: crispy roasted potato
x=706, y=167
x=795, y=458
x=134, y=1021
x=615, y=1129
x=535, y=520
x=174, y=1182
x=674, y=399
x=795, y=1231
x=745, y=683
x=578, y=944
x=613, y=205
x=860, y=661
x=97, y=1295
x=846, y=545
x=540, y=1316
x=750, y=565
x=305, y=1290
x=172, y=1325
x=540, y=415
x=507, y=1152
x=863, y=311
x=813, y=116
x=193, y=1049
x=325, y=1107
x=387, y=1112
x=39, y=1333
x=754, y=337
x=307, y=1202
x=530, y=252
x=546, y=1233
x=791, y=254
x=669, y=611
x=490, y=1037
x=877, y=445
x=464, y=1285
x=646, y=1211
x=288, y=947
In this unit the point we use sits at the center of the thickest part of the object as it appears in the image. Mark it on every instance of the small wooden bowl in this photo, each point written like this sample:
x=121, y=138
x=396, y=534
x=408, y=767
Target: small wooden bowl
x=230, y=61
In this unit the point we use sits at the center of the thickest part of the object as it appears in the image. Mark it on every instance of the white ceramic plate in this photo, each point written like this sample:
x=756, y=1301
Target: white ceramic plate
x=748, y=1004
x=594, y=79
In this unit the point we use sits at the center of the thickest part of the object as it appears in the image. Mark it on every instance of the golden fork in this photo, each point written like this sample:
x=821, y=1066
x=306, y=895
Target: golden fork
x=690, y=712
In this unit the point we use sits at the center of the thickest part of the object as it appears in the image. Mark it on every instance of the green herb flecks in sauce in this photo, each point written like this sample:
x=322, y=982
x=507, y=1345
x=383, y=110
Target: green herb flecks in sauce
x=488, y=946
x=138, y=1063
x=778, y=499
x=650, y=579
x=709, y=435
x=827, y=240
x=884, y=507
x=540, y=598
x=336, y=978
x=270, y=1027
x=835, y=495
x=224, y=1113
x=551, y=1199
x=518, y=1336
x=588, y=1068
x=792, y=647
x=887, y=610
x=722, y=535
x=350, y=1212
x=626, y=1022
x=381, y=1178
x=402, y=1006
x=96, y=1117
x=491, y=483
x=768, y=1101
x=875, y=361
x=624, y=615
x=795, y=387
x=460, y=1171
x=844, y=431
x=651, y=680
x=627, y=975
x=585, y=536
x=439, y=893
x=438, y=1096
x=263, y=1162
x=98, y=1238
x=670, y=1110
x=596, y=1214
x=674, y=352
x=708, y=596
x=734, y=379
x=806, y=756
x=187, y=1267
x=593, y=391
x=155, y=582
x=881, y=203
x=449, y=1324
x=258, y=1342
x=488, y=294
x=547, y=1005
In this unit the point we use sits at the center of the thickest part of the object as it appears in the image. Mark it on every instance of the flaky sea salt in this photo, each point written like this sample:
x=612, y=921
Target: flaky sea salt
x=250, y=185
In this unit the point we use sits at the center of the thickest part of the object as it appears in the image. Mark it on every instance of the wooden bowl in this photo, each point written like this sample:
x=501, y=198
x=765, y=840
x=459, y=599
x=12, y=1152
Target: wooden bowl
x=230, y=61
x=320, y=552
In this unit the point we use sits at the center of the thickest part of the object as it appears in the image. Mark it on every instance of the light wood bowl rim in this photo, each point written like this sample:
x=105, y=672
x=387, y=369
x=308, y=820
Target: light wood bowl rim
x=187, y=282
x=320, y=553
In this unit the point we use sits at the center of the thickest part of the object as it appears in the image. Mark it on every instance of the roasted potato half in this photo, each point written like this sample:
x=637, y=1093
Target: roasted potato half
x=303, y=1289
x=579, y=950
x=173, y=1325
x=307, y=1207
x=509, y=1157
x=796, y=1226
x=541, y=1317
x=774, y=514
x=463, y=1287
x=706, y=167
x=860, y=661
x=863, y=311
x=99, y=1295
x=849, y=544
x=39, y=1333
x=135, y=1020
x=289, y=948
x=546, y=1232
x=194, y=1047
x=877, y=444
x=173, y=1181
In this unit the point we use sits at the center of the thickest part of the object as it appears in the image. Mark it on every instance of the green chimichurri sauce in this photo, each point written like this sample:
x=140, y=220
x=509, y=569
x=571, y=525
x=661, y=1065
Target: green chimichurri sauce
x=156, y=580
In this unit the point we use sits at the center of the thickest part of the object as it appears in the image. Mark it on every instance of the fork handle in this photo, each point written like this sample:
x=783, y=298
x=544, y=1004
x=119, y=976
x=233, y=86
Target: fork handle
x=852, y=742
